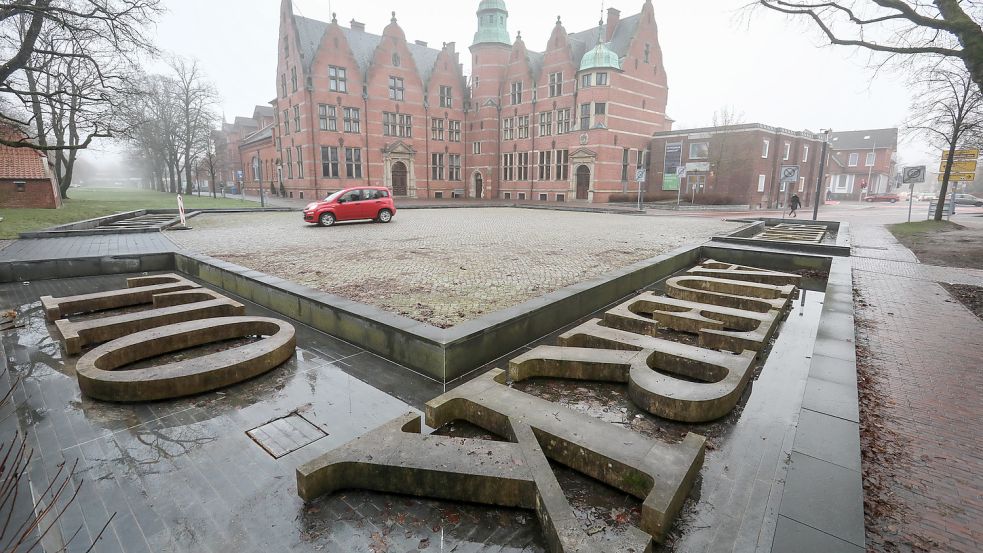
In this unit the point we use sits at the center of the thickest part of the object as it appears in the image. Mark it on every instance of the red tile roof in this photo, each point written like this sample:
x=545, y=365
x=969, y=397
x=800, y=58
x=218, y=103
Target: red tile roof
x=21, y=163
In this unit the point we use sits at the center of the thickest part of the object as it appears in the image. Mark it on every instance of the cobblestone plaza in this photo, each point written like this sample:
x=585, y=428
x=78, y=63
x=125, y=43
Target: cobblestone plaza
x=444, y=266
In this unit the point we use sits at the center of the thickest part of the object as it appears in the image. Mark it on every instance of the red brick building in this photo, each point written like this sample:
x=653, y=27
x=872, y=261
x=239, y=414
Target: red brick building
x=861, y=163
x=734, y=165
x=572, y=122
x=247, y=151
x=25, y=178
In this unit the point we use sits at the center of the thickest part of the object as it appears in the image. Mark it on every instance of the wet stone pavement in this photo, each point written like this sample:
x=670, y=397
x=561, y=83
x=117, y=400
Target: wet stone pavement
x=183, y=475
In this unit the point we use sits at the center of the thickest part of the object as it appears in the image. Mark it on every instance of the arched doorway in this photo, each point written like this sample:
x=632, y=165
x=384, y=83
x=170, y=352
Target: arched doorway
x=583, y=182
x=477, y=185
x=399, y=179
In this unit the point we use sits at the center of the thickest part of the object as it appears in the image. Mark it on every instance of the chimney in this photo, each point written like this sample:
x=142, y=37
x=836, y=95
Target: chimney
x=420, y=43
x=356, y=26
x=614, y=16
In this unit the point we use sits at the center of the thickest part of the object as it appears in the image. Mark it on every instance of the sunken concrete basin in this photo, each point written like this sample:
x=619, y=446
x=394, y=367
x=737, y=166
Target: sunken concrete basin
x=99, y=376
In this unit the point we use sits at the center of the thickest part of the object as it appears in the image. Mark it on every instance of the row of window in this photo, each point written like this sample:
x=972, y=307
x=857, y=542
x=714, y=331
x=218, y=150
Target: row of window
x=555, y=85
x=338, y=82
x=701, y=150
x=763, y=179
x=330, y=164
x=550, y=165
x=453, y=166
x=543, y=196
x=437, y=130
x=517, y=128
x=855, y=159
x=787, y=154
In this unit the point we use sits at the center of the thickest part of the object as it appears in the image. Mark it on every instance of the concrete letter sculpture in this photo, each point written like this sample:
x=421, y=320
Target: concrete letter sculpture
x=189, y=305
x=99, y=378
x=396, y=458
x=139, y=290
x=666, y=378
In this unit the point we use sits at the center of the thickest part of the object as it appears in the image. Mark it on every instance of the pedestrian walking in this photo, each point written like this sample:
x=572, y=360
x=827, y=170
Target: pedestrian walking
x=794, y=204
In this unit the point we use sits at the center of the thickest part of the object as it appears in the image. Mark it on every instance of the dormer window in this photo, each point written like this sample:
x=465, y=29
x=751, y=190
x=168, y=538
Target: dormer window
x=601, y=79
x=586, y=80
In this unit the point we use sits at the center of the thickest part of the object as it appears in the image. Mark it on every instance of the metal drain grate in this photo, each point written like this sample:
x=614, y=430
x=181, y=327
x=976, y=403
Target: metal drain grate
x=286, y=434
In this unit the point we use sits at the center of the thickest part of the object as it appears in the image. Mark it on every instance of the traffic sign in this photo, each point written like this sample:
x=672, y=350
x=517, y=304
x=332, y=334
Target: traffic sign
x=960, y=166
x=960, y=177
x=962, y=154
x=681, y=171
x=640, y=175
x=913, y=175
x=790, y=173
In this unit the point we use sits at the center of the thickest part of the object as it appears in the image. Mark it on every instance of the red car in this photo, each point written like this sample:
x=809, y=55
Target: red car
x=352, y=204
x=893, y=198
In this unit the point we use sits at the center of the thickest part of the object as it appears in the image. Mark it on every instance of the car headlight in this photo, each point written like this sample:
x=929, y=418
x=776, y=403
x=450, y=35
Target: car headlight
x=310, y=206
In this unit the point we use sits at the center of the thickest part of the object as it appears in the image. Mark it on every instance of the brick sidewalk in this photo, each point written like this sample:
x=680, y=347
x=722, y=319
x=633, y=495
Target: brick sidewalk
x=920, y=353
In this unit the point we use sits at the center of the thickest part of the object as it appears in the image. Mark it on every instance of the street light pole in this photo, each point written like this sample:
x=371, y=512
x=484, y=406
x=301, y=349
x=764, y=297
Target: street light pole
x=870, y=171
x=822, y=168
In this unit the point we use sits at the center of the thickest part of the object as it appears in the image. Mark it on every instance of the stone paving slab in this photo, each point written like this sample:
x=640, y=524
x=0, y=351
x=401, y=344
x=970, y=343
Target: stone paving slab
x=85, y=246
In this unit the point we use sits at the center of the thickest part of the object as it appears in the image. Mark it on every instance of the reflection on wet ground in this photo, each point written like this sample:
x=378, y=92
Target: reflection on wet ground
x=183, y=475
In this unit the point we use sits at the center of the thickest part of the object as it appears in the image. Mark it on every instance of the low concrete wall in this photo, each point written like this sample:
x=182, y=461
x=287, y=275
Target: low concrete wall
x=20, y=271
x=822, y=502
x=840, y=249
x=443, y=354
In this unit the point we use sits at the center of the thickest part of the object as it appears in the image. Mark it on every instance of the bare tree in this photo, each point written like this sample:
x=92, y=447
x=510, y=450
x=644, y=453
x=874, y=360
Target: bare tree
x=949, y=113
x=947, y=28
x=93, y=39
x=727, y=115
x=196, y=100
x=172, y=121
x=213, y=158
x=70, y=102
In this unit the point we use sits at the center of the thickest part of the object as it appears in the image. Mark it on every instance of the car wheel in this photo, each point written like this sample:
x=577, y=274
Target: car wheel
x=326, y=219
x=871, y=200
x=385, y=216
x=978, y=204
x=894, y=201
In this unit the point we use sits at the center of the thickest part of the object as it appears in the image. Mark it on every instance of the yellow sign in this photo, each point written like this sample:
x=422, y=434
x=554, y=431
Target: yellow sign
x=962, y=154
x=960, y=177
x=960, y=166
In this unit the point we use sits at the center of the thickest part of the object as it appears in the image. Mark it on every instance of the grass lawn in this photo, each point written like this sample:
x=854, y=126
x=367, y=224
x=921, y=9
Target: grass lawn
x=86, y=203
x=905, y=230
x=942, y=243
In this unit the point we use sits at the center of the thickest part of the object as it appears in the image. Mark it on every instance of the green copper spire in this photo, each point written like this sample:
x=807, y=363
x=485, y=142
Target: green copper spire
x=492, y=23
x=600, y=57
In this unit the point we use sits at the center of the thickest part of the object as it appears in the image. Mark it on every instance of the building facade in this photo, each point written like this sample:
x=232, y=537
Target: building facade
x=861, y=163
x=570, y=123
x=246, y=151
x=26, y=179
x=734, y=165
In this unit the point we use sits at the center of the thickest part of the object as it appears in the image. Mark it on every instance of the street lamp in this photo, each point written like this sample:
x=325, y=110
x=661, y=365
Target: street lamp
x=870, y=170
x=822, y=169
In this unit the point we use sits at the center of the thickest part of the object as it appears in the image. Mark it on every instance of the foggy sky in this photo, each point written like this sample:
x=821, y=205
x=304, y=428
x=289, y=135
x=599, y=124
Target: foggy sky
x=773, y=70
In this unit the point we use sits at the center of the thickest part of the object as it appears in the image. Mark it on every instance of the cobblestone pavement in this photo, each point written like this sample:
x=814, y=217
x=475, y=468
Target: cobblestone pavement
x=919, y=351
x=443, y=266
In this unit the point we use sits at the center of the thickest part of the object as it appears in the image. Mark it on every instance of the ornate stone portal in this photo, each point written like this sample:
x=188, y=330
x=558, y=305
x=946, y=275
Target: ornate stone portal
x=733, y=318
x=184, y=315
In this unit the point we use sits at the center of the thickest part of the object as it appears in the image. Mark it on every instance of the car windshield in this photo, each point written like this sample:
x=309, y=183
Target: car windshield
x=334, y=196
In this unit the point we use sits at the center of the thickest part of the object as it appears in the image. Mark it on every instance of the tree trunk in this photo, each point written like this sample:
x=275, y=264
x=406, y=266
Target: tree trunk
x=939, y=207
